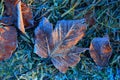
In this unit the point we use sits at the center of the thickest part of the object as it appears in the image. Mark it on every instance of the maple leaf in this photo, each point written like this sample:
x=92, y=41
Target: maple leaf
x=100, y=50
x=59, y=44
x=8, y=41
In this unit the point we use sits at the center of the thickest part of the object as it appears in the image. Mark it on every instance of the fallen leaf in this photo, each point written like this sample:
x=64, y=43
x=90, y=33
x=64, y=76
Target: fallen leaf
x=15, y=14
x=20, y=23
x=27, y=15
x=9, y=15
x=100, y=50
x=10, y=7
x=90, y=19
x=7, y=20
x=59, y=44
x=8, y=41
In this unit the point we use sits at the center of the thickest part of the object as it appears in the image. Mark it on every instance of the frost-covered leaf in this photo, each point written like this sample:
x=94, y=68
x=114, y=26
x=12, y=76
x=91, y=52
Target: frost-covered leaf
x=8, y=41
x=20, y=23
x=43, y=33
x=17, y=13
x=59, y=44
x=68, y=58
x=100, y=50
x=27, y=15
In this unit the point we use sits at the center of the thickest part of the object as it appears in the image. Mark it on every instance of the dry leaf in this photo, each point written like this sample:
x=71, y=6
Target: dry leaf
x=59, y=44
x=7, y=20
x=100, y=50
x=17, y=12
x=9, y=16
x=27, y=15
x=90, y=19
x=8, y=41
x=10, y=7
x=20, y=18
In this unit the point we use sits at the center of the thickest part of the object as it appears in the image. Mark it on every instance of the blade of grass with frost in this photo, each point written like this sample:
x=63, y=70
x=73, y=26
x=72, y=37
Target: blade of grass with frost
x=20, y=18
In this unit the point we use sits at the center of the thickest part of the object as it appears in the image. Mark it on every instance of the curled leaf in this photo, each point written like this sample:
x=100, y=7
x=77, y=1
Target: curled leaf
x=100, y=50
x=8, y=41
x=17, y=13
x=59, y=44
x=27, y=15
x=20, y=18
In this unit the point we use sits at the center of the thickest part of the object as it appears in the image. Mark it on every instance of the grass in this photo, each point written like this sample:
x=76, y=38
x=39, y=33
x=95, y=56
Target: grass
x=26, y=65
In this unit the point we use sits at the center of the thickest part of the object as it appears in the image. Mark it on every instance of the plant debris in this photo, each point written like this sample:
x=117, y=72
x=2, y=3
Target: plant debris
x=8, y=41
x=17, y=13
x=100, y=50
x=59, y=44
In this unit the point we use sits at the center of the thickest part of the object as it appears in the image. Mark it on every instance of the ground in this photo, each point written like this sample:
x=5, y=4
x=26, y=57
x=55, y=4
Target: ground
x=26, y=65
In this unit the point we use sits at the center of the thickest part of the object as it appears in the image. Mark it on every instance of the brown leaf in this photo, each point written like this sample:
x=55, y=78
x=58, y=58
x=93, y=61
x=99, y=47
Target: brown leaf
x=59, y=44
x=8, y=41
x=90, y=19
x=27, y=15
x=10, y=13
x=7, y=20
x=20, y=23
x=43, y=33
x=17, y=14
x=67, y=33
x=62, y=62
x=10, y=7
x=100, y=50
